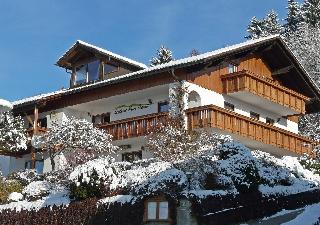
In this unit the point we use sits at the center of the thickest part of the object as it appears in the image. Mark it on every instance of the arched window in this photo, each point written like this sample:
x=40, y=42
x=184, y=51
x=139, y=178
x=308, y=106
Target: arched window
x=194, y=99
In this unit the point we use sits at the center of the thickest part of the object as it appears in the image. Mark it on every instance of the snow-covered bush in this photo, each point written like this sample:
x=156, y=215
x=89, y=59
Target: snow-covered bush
x=25, y=177
x=237, y=162
x=272, y=171
x=7, y=187
x=78, y=139
x=15, y=197
x=13, y=137
x=36, y=190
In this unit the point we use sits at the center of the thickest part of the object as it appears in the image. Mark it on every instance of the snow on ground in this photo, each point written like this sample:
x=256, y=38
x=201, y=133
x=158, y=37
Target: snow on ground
x=58, y=196
x=309, y=216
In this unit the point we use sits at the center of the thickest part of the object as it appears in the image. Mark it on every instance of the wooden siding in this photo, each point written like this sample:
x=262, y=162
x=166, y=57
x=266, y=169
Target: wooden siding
x=263, y=87
x=216, y=117
x=134, y=127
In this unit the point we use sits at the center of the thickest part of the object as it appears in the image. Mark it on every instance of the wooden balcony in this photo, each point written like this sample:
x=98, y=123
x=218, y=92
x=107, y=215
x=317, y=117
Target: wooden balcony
x=245, y=81
x=134, y=127
x=215, y=117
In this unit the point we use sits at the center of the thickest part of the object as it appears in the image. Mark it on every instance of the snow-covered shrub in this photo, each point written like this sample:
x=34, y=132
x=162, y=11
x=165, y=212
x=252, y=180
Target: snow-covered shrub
x=15, y=197
x=272, y=171
x=310, y=162
x=78, y=139
x=26, y=176
x=36, y=190
x=237, y=162
x=13, y=137
x=84, y=189
x=164, y=55
x=7, y=187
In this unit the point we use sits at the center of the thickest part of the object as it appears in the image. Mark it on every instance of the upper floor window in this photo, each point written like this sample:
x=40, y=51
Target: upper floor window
x=102, y=118
x=269, y=121
x=109, y=68
x=229, y=106
x=254, y=115
x=163, y=106
x=87, y=72
x=232, y=68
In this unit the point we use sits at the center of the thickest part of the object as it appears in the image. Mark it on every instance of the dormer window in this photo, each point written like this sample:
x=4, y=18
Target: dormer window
x=232, y=68
x=87, y=72
x=109, y=68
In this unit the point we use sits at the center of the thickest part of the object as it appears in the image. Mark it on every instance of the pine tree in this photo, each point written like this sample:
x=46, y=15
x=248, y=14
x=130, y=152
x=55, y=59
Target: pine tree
x=294, y=17
x=311, y=12
x=271, y=24
x=164, y=55
x=255, y=28
x=194, y=52
x=13, y=137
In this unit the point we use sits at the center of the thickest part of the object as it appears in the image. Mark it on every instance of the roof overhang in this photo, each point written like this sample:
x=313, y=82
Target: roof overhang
x=82, y=49
x=257, y=45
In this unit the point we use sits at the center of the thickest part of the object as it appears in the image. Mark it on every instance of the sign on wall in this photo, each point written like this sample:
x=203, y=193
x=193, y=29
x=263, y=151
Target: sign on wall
x=127, y=108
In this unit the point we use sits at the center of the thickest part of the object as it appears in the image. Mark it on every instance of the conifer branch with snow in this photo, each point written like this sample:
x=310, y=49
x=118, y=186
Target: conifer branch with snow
x=164, y=55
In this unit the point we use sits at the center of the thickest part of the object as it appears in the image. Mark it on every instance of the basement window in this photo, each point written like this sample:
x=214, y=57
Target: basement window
x=232, y=68
x=38, y=165
x=254, y=115
x=157, y=210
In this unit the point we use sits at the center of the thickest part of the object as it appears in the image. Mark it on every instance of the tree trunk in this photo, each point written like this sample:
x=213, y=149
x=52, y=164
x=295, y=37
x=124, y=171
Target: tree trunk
x=53, y=164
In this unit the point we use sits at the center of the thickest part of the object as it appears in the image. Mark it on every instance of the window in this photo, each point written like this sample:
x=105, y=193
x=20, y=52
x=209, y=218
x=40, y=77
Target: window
x=254, y=115
x=157, y=210
x=228, y=106
x=87, y=72
x=163, y=106
x=232, y=68
x=269, y=121
x=132, y=156
x=108, y=68
x=38, y=165
x=102, y=118
x=42, y=122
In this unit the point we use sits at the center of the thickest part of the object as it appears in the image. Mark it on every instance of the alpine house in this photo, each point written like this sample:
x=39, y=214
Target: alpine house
x=254, y=91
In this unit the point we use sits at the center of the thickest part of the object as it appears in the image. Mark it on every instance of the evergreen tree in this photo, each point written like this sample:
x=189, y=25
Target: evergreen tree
x=294, y=17
x=268, y=26
x=194, y=52
x=164, y=55
x=255, y=28
x=311, y=12
x=271, y=24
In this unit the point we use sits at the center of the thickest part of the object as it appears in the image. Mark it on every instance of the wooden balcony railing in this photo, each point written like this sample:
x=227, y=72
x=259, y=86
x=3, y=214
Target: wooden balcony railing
x=263, y=87
x=134, y=127
x=216, y=117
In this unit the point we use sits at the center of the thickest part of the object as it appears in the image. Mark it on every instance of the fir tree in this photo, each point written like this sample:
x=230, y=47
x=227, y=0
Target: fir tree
x=294, y=17
x=164, y=55
x=255, y=28
x=194, y=52
x=271, y=24
x=311, y=12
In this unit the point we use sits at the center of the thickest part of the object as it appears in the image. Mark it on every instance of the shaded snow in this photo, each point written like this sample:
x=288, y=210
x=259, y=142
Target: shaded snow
x=122, y=199
x=309, y=216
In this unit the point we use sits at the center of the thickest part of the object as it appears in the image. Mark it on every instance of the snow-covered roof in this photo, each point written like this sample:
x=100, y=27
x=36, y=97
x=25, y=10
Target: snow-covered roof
x=5, y=105
x=104, y=52
x=166, y=66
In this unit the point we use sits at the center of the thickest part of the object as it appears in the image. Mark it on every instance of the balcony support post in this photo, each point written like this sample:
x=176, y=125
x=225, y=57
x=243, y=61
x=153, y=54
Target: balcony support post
x=35, y=132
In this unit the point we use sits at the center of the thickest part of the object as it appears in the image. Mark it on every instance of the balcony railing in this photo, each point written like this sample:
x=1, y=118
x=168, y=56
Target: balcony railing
x=215, y=117
x=263, y=87
x=134, y=127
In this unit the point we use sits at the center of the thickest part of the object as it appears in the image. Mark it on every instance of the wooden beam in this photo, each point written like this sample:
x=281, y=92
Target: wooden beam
x=35, y=132
x=282, y=70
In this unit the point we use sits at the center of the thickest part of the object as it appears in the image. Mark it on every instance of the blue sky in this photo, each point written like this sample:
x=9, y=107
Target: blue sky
x=35, y=33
